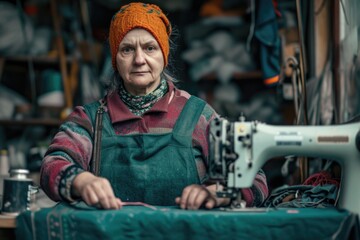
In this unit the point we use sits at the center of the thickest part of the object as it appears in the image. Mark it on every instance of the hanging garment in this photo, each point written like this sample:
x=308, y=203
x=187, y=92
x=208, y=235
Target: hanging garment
x=266, y=34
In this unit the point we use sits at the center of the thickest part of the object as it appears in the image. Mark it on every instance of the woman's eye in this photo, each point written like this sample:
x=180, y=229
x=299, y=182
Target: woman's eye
x=150, y=48
x=127, y=50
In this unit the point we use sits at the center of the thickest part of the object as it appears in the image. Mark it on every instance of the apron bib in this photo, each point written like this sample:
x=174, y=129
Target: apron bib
x=150, y=168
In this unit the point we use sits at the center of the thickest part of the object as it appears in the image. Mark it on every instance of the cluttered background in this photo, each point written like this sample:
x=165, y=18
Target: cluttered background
x=278, y=62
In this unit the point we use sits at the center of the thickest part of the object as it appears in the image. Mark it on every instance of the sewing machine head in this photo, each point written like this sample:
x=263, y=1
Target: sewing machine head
x=239, y=149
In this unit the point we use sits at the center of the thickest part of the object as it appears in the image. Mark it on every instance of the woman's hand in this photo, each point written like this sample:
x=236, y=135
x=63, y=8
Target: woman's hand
x=95, y=191
x=195, y=196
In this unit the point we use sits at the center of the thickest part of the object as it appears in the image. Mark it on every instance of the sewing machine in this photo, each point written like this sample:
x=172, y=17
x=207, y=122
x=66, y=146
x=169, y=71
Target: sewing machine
x=239, y=149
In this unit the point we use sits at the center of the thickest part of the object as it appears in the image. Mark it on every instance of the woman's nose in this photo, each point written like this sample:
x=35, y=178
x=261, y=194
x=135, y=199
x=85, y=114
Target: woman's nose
x=139, y=57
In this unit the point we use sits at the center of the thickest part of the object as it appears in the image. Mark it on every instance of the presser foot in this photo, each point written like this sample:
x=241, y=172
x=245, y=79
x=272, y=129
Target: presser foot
x=240, y=206
x=237, y=205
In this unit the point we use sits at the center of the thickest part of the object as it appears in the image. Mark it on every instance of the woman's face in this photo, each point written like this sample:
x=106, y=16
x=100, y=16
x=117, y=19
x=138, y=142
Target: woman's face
x=140, y=62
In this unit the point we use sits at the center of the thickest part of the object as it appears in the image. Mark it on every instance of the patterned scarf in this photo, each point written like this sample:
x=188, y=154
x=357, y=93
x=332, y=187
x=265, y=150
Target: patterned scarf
x=138, y=105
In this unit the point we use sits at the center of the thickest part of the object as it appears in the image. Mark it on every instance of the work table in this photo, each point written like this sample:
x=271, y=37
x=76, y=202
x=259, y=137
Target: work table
x=139, y=222
x=7, y=227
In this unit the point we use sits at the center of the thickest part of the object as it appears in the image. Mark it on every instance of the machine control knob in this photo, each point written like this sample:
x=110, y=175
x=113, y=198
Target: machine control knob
x=242, y=117
x=357, y=140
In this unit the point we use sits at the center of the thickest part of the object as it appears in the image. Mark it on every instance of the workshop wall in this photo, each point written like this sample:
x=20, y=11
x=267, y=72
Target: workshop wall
x=54, y=55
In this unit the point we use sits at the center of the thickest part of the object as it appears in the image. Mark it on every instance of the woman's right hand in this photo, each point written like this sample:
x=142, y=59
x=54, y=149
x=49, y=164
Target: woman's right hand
x=95, y=191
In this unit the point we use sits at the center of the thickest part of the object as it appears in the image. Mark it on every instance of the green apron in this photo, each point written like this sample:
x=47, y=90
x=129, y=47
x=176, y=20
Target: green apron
x=150, y=168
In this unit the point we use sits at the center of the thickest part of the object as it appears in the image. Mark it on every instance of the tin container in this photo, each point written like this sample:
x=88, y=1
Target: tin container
x=17, y=192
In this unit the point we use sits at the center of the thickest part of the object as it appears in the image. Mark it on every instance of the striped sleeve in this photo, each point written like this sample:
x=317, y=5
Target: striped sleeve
x=68, y=155
x=258, y=192
x=200, y=142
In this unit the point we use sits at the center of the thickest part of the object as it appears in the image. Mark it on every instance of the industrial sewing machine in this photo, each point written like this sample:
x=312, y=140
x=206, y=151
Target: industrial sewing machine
x=239, y=149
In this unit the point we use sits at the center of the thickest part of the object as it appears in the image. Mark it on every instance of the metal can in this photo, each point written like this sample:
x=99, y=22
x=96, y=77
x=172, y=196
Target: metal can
x=17, y=192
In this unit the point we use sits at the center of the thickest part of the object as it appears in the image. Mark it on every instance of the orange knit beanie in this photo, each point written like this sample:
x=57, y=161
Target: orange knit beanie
x=139, y=15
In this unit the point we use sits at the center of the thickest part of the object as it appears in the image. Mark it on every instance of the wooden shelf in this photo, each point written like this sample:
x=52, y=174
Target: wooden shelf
x=35, y=59
x=31, y=121
x=7, y=227
x=7, y=221
x=248, y=75
x=238, y=76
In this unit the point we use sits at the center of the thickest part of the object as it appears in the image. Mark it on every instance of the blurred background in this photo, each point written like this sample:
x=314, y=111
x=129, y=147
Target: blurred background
x=280, y=62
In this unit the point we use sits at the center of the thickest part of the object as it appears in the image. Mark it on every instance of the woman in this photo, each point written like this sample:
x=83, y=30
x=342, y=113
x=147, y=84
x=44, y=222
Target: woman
x=153, y=145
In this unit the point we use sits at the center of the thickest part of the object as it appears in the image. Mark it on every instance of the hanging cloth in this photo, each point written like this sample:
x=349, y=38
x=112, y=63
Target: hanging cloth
x=266, y=34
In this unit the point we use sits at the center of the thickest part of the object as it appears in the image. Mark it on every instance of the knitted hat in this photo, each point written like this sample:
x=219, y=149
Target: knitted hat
x=139, y=15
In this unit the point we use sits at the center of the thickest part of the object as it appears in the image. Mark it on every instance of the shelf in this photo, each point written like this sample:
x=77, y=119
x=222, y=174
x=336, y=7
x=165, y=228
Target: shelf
x=31, y=122
x=7, y=221
x=248, y=75
x=35, y=59
x=238, y=76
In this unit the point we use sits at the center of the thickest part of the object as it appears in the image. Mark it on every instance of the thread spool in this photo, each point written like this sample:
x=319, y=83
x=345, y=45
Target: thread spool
x=17, y=192
x=4, y=169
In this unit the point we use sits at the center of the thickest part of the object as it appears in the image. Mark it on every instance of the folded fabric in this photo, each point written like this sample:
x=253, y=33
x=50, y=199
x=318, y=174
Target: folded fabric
x=303, y=196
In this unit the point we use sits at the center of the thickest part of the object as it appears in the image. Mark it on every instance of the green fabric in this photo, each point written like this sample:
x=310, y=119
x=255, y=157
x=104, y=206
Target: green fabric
x=151, y=168
x=137, y=222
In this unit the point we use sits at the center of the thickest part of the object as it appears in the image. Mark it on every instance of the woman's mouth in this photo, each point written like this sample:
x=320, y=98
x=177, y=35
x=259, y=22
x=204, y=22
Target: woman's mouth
x=139, y=72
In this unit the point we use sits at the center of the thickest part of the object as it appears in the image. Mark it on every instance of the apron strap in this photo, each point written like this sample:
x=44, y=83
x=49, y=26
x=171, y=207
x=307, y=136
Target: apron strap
x=96, y=154
x=189, y=116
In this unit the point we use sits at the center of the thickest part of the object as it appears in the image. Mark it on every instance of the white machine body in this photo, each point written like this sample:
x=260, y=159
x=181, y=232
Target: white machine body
x=239, y=149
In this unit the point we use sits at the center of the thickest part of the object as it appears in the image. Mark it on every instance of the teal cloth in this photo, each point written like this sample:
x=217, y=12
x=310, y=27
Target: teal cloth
x=319, y=193
x=137, y=222
x=303, y=196
x=151, y=168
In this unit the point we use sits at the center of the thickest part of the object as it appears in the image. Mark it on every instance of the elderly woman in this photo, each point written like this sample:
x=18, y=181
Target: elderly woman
x=146, y=140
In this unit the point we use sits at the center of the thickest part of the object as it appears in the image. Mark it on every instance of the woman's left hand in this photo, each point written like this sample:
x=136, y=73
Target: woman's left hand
x=195, y=196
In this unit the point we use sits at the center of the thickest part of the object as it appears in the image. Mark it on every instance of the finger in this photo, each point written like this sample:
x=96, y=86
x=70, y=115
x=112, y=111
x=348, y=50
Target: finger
x=184, y=197
x=94, y=195
x=105, y=194
x=104, y=200
x=89, y=196
x=210, y=203
x=199, y=198
x=192, y=203
x=191, y=199
x=110, y=201
x=115, y=203
x=118, y=203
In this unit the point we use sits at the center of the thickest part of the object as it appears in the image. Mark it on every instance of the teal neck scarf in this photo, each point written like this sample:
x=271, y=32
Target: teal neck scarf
x=138, y=105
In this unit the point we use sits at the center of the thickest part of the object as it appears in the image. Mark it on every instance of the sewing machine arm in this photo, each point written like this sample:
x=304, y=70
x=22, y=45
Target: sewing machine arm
x=238, y=150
